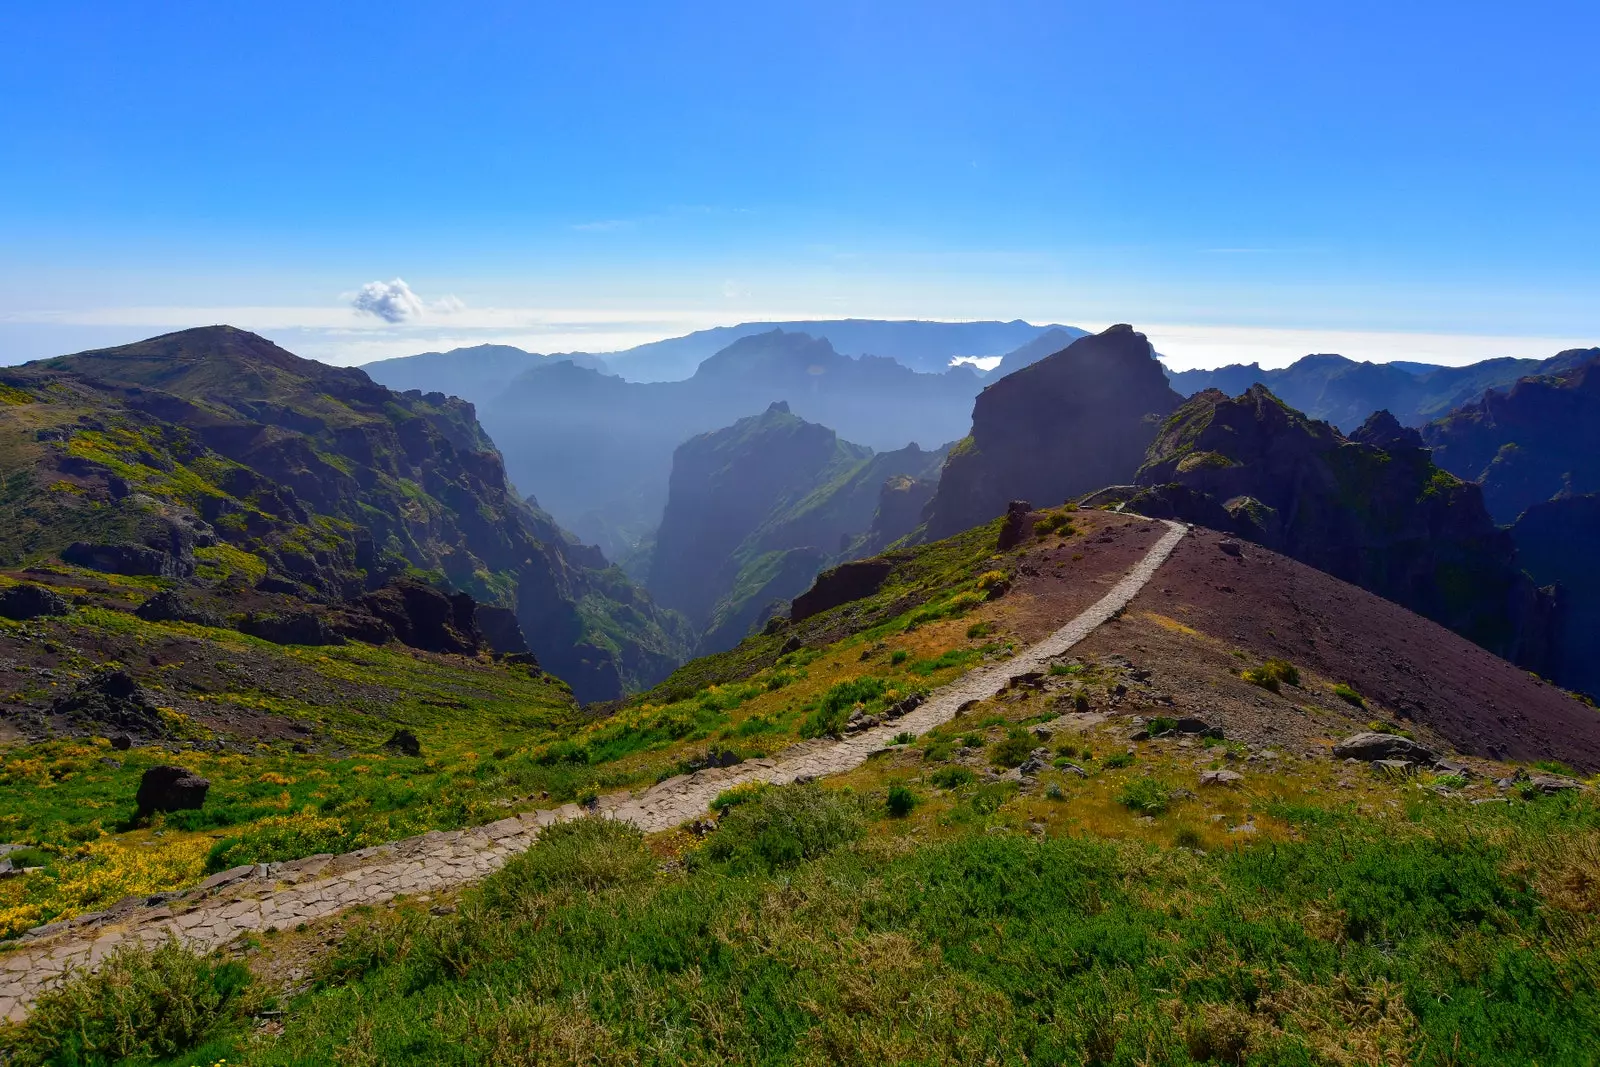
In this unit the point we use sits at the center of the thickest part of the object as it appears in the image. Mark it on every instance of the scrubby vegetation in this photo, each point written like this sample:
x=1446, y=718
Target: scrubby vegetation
x=141, y=1004
x=1433, y=937
x=1274, y=674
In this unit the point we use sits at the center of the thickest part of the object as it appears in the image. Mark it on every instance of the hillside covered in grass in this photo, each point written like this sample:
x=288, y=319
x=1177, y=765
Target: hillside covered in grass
x=213, y=459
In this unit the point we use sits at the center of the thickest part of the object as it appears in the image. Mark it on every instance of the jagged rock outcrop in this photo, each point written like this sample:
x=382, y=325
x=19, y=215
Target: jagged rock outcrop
x=213, y=458
x=28, y=601
x=109, y=703
x=1384, y=519
x=841, y=585
x=1063, y=426
x=427, y=618
x=1529, y=443
x=901, y=501
x=171, y=606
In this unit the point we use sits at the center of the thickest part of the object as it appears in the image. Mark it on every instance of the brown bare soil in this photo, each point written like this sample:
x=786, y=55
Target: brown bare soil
x=1208, y=615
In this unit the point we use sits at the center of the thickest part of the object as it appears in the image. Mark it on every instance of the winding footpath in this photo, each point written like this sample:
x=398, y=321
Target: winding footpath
x=282, y=895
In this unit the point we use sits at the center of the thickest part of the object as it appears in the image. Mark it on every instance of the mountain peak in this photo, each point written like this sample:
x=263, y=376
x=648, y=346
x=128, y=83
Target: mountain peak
x=778, y=407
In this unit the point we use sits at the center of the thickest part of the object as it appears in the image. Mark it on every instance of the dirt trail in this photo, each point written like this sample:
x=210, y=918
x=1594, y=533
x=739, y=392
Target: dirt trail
x=281, y=895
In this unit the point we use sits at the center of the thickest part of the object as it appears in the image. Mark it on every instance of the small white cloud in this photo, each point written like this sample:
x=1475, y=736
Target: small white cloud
x=392, y=301
x=448, y=305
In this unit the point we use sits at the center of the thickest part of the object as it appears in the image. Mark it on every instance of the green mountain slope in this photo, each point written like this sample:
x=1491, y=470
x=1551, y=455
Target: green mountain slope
x=213, y=456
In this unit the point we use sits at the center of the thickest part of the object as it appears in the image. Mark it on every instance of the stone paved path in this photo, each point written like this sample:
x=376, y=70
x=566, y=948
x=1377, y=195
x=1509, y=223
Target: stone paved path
x=280, y=895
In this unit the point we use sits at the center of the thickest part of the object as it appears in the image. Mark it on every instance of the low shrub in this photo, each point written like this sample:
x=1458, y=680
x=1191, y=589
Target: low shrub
x=278, y=838
x=141, y=1004
x=1272, y=674
x=1349, y=695
x=1118, y=760
x=1161, y=724
x=580, y=855
x=953, y=777
x=782, y=827
x=900, y=801
x=898, y=656
x=1013, y=749
x=1145, y=796
x=979, y=629
x=833, y=710
x=904, y=737
x=739, y=794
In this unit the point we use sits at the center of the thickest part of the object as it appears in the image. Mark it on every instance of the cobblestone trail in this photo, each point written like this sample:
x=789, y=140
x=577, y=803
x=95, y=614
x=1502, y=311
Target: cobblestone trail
x=281, y=895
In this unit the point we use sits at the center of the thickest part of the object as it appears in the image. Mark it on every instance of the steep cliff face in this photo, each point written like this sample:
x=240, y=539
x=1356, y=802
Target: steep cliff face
x=213, y=455
x=1374, y=511
x=1558, y=541
x=1063, y=426
x=1529, y=443
x=757, y=509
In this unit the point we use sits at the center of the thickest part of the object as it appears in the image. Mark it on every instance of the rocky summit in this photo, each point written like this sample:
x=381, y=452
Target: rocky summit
x=1065, y=425
x=1382, y=517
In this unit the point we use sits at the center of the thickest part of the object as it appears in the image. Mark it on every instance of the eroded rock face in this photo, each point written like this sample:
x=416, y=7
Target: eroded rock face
x=841, y=585
x=426, y=618
x=1370, y=746
x=171, y=606
x=1064, y=426
x=110, y=703
x=169, y=788
x=1015, y=529
x=28, y=601
x=1383, y=518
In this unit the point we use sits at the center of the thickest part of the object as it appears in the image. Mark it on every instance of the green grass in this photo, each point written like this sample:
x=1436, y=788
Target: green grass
x=1363, y=939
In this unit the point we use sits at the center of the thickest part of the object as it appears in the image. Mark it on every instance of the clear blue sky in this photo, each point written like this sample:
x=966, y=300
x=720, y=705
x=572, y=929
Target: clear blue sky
x=630, y=169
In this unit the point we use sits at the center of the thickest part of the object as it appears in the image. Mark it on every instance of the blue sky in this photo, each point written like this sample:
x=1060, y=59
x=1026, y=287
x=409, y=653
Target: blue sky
x=1259, y=179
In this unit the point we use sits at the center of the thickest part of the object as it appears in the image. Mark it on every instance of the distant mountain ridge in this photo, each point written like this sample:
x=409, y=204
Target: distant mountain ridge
x=597, y=450
x=1344, y=392
x=476, y=374
x=918, y=344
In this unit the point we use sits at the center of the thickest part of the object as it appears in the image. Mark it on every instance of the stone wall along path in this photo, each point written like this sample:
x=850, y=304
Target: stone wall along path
x=282, y=895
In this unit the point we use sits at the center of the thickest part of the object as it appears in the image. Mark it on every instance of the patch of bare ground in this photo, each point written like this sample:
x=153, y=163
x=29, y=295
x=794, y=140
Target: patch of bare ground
x=1219, y=607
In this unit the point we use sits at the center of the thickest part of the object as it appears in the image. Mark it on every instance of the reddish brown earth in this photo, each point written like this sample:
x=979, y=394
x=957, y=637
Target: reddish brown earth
x=1412, y=672
x=1059, y=577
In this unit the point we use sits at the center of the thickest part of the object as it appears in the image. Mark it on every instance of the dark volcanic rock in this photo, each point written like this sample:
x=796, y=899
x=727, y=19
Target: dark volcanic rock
x=404, y=742
x=901, y=500
x=1370, y=746
x=28, y=601
x=291, y=628
x=841, y=585
x=1015, y=529
x=501, y=631
x=110, y=703
x=168, y=788
x=130, y=559
x=1383, y=430
x=1064, y=426
x=171, y=606
x=426, y=618
x=1386, y=520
